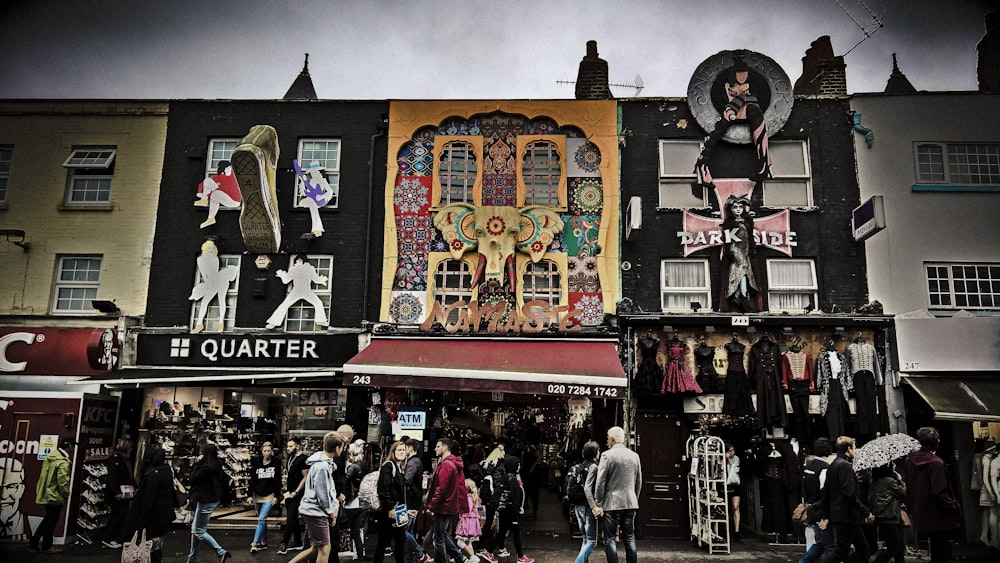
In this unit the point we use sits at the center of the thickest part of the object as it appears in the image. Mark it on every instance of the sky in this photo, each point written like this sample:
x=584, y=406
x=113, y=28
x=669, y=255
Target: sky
x=459, y=49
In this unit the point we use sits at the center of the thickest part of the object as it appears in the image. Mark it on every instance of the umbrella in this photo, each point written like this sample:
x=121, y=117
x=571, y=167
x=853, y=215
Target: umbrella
x=883, y=450
x=467, y=419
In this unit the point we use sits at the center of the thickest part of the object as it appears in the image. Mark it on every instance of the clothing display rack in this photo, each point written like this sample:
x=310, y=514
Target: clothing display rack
x=707, y=504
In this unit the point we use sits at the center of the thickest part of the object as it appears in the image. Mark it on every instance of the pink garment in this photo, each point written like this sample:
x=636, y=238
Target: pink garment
x=676, y=377
x=468, y=523
x=227, y=185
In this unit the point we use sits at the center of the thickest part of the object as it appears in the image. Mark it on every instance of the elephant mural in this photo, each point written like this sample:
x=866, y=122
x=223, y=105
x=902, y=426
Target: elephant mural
x=497, y=231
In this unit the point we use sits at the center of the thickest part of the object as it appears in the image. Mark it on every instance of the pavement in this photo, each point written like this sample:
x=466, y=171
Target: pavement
x=544, y=547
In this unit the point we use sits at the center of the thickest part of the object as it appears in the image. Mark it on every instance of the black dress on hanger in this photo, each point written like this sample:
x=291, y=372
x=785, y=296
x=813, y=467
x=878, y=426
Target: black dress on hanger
x=737, y=400
x=708, y=379
x=650, y=374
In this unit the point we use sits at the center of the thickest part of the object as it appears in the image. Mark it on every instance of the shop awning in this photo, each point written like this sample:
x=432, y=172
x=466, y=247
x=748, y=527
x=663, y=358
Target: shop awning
x=959, y=398
x=588, y=368
x=187, y=376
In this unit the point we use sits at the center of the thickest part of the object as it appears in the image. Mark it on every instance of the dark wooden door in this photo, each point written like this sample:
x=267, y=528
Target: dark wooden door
x=663, y=505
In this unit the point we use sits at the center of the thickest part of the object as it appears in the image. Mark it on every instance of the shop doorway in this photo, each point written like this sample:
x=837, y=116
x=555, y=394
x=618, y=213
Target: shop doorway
x=663, y=501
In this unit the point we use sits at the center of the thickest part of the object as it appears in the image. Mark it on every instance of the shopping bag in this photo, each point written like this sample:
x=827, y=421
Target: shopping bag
x=137, y=550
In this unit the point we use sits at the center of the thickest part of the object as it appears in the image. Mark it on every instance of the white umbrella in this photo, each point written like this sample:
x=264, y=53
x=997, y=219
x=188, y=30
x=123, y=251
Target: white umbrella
x=883, y=450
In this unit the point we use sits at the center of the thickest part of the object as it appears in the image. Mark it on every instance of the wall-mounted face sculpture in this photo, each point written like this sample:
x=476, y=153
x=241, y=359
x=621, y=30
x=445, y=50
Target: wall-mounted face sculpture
x=497, y=231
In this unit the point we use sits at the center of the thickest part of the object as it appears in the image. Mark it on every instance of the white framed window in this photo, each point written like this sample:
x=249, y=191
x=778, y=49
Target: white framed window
x=301, y=316
x=90, y=173
x=958, y=163
x=211, y=317
x=219, y=150
x=77, y=281
x=683, y=282
x=542, y=281
x=791, y=284
x=792, y=184
x=541, y=172
x=452, y=283
x=963, y=286
x=457, y=170
x=678, y=181
x=326, y=152
x=6, y=155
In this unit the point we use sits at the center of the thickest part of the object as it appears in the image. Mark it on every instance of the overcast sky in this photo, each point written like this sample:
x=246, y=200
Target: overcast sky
x=456, y=49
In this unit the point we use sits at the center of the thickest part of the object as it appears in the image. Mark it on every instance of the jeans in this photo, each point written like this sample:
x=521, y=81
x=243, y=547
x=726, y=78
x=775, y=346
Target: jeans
x=895, y=548
x=509, y=523
x=413, y=549
x=624, y=521
x=199, y=530
x=263, y=509
x=844, y=536
x=355, y=518
x=292, y=528
x=588, y=527
x=824, y=544
x=444, y=546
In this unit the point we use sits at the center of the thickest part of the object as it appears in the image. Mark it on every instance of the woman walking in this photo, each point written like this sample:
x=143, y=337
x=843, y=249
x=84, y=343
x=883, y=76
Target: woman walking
x=733, y=487
x=390, y=493
x=354, y=514
x=265, y=486
x=511, y=509
x=206, y=491
x=887, y=492
x=119, y=489
x=155, y=501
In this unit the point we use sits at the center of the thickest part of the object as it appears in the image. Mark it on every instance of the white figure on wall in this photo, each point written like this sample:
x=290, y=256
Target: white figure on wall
x=316, y=192
x=214, y=284
x=220, y=189
x=300, y=277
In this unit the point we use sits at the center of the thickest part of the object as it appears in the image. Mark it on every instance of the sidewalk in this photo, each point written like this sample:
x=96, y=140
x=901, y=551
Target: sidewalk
x=543, y=547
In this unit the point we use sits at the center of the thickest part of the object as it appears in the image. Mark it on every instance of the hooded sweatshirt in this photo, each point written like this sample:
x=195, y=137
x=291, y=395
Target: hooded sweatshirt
x=53, y=483
x=929, y=498
x=320, y=497
x=447, y=493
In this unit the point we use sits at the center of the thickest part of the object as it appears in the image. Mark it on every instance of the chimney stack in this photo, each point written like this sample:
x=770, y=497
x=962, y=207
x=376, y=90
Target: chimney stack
x=823, y=74
x=592, y=79
x=989, y=55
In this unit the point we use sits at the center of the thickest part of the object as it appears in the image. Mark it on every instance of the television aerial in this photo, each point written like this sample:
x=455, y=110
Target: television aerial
x=636, y=84
x=875, y=22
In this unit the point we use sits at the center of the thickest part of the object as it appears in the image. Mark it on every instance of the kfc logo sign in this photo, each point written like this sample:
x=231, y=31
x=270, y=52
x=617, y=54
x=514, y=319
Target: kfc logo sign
x=59, y=351
x=7, y=340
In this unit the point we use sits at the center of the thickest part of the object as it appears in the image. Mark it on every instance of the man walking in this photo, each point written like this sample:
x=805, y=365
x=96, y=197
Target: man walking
x=616, y=495
x=933, y=507
x=51, y=492
x=447, y=498
x=842, y=505
x=296, y=470
x=319, y=504
x=413, y=477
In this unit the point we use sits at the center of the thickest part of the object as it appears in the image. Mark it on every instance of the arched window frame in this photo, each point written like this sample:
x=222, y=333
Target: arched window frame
x=440, y=144
x=523, y=142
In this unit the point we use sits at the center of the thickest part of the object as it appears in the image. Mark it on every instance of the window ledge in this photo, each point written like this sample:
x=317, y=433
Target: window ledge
x=956, y=188
x=799, y=208
x=3, y=205
x=670, y=209
x=94, y=207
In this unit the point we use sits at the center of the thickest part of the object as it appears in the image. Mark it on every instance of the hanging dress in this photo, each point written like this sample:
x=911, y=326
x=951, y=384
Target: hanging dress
x=737, y=400
x=765, y=366
x=707, y=378
x=650, y=374
x=676, y=377
x=834, y=383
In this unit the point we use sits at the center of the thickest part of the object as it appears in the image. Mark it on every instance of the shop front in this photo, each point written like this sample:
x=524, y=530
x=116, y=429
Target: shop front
x=951, y=367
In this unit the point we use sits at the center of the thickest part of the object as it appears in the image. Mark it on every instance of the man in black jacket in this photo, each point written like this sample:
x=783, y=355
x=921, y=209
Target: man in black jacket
x=842, y=505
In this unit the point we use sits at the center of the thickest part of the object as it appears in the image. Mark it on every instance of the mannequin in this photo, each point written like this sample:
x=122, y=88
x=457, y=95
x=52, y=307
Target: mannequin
x=737, y=400
x=867, y=374
x=834, y=384
x=774, y=485
x=993, y=478
x=765, y=366
x=676, y=376
x=649, y=373
x=797, y=379
x=704, y=360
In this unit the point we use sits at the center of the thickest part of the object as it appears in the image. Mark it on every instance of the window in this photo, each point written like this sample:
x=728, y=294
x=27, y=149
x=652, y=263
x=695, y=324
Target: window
x=791, y=186
x=77, y=281
x=958, y=163
x=542, y=282
x=791, y=285
x=327, y=153
x=6, y=154
x=452, y=283
x=211, y=316
x=541, y=171
x=678, y=181
x=301, y=315
x=90, y=173
x=963, y=286
x=457, y=172
x=219, y=150
x=683, y=282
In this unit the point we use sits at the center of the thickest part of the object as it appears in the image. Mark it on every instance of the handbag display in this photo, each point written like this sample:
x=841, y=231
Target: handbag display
x=137, y=549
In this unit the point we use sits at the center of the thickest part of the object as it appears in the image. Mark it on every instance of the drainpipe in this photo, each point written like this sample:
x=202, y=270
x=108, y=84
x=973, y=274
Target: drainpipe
x=381, y=131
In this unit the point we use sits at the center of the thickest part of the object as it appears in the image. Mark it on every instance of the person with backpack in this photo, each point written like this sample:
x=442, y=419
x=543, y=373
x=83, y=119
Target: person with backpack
x=391, y=492
x=511, y=508
x=580, y=493
x=356, y=470
x=206, y=491
x=155, y=501
x=493, y=475
x=119, y=488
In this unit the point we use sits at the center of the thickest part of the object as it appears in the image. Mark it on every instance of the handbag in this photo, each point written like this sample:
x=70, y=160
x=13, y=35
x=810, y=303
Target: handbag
x=400, y=516
x=137, y=550
x=800, y=514
x=904, y=517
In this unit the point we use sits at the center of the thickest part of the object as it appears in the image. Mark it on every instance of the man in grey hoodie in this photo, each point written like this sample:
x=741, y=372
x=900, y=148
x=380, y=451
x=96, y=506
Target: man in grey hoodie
x=319, y=504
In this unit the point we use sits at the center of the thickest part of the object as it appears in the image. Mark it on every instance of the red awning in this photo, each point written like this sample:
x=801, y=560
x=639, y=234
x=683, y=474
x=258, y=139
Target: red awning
x=587, y=368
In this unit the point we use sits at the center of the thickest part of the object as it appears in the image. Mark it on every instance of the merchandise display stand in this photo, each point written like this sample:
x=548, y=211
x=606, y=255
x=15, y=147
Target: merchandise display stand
x=93, y=508
x=708, y=505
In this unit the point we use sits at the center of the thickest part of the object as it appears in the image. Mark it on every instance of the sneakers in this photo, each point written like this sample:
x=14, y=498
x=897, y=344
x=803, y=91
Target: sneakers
x=255, y=547
x=473, y=559
x=525, y=559
x=299, y=547
x=226, y=556
x=283, y=549
x=503, y=552
x=488, y=556
x=111, y=544
x=425, y=559
x=254, y=162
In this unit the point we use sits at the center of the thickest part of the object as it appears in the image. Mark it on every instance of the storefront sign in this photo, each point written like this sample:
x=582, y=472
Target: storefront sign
x=535, y=316
x=319, y=397
x=493, y=386
x=58, y=351
x=245, y=350
x=773, y=231
x=416, y=420
x=868, y=218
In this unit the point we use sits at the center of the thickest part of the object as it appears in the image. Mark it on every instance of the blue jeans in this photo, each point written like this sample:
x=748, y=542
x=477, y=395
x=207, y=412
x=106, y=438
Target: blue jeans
x=444, y=546
x=413, y=549
x=588, y=527
x=355, y=519
x=624, y=521
x=263, y=509
x=199, y=530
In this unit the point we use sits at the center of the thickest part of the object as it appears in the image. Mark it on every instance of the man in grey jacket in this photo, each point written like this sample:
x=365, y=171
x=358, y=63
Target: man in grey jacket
x=616, y=495
x=319, y=505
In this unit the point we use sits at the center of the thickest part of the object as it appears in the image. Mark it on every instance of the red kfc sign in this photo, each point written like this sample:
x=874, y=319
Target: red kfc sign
x=58, y=351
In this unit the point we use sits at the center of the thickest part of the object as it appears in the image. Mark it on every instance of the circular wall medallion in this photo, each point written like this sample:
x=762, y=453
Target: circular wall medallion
x=768, y=82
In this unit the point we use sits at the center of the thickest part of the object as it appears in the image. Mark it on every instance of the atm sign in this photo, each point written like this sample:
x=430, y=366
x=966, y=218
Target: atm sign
x=412, y=420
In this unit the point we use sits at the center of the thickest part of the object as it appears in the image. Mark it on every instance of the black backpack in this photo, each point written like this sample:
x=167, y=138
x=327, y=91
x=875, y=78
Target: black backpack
x=575, y=481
